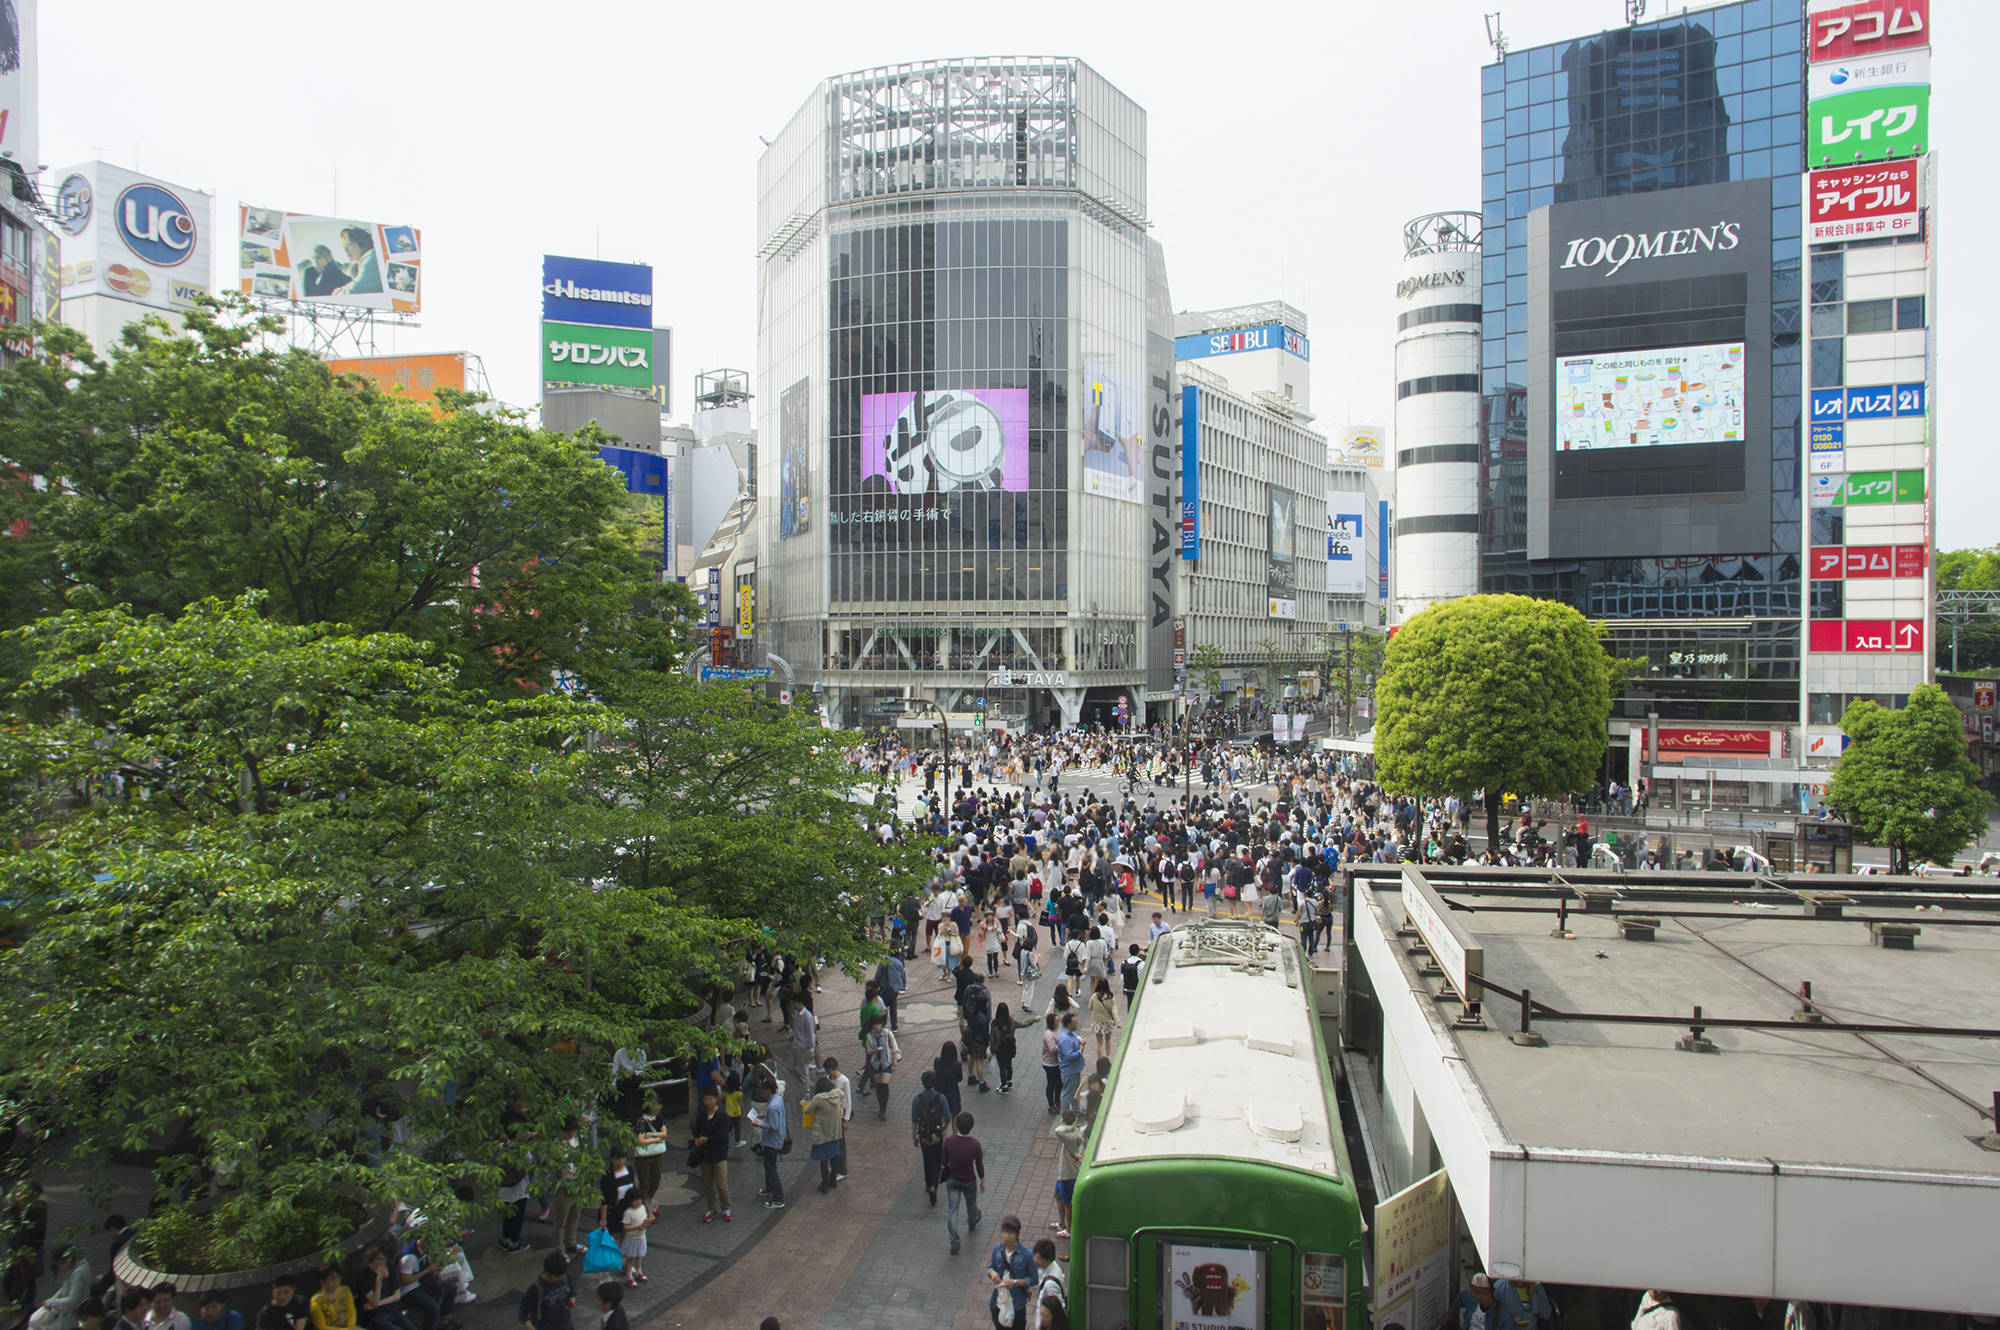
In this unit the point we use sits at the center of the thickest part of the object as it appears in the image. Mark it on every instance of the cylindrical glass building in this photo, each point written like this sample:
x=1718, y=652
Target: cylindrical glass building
x=952, y=383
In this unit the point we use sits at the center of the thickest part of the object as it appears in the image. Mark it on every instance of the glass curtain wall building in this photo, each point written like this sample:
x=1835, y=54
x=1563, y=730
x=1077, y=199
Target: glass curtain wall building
x=952, y=342
x=1641, y=349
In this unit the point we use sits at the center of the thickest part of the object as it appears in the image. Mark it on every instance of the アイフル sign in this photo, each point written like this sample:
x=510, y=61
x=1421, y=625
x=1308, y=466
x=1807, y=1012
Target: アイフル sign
x=1858, y=202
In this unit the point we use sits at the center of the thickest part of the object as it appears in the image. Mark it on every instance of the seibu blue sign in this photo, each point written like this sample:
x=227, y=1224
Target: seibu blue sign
x=592, y=291
x=1270, y=337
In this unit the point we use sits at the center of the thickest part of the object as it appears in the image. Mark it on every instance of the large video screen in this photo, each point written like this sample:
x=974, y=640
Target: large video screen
x=946, y=439
x=1648, y=399
x=329, y=260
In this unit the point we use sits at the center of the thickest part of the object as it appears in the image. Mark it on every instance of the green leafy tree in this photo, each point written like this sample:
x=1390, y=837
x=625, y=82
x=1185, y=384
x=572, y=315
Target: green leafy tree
x=1205, y=668
x=275, y=882
x=1978, y=635
x=1905, y=782
x=198, y=465
x=1495, y=693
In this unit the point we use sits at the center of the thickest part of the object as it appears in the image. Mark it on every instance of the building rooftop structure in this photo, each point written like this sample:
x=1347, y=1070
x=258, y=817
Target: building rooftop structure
x=1679, y=1110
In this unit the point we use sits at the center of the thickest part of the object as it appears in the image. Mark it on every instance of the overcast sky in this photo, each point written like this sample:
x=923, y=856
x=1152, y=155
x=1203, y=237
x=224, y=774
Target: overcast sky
x=1288, y=144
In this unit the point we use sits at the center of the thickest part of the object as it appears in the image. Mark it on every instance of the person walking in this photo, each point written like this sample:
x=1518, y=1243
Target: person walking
x=1051, y=1062
x=930, y=1122
x=1011, y=1268
x=1069, y=1059
x=823, y=1110
x=964, y=1177
x=880, y=1054
x=805, y=1047
x=845, y=1089
x=1069, y=1137
x=769, y=1119
x=1004, y=1047
x=709, y=1152
x=546, y=1303
x=950, y=1074
x=1104, y=1018
x=893, y=980
x=1129, y=971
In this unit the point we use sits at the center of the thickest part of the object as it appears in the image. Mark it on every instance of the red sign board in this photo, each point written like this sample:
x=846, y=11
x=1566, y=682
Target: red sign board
x=1882, y=635
x=1708, y=739
x=1835, y=561
x=1850, y=202
x=1872, y=27
x=1825, y=635
x=1868, y=561
x=1982, y=695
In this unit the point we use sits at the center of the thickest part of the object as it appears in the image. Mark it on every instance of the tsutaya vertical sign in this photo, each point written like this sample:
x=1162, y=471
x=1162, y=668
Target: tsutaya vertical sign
x=1163, y=480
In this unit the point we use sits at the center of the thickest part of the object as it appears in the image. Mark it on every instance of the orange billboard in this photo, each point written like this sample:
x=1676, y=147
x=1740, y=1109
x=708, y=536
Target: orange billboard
x=416, y=377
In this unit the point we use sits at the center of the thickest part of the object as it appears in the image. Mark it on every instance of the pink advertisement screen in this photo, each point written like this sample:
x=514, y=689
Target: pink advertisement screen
x=946, y=439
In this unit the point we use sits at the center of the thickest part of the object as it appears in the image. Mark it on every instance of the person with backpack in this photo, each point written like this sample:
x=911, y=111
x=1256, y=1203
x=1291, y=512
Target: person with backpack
x=1026, y=939
x=930, y=1118
x=1129, y=972
x=546, y=1303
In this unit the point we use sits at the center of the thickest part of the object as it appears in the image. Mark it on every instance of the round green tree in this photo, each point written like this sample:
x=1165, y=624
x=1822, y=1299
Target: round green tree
x=1504, y=694
x=1905, y=781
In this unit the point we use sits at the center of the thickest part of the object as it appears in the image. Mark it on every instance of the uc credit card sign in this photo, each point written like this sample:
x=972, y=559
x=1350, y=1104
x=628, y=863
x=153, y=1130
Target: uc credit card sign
x=596, y=292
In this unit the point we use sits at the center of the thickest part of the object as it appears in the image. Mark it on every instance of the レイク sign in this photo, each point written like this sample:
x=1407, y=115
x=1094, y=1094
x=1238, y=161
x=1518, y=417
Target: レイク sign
x=1613, y=252
x=1868, y=28
x=1852, y=202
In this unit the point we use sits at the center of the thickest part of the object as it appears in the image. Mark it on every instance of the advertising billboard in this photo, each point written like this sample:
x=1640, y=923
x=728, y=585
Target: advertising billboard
x=1269, y=337
x=607, y=357
x=1360, y=445
x=329, y=260
x=415, y=377
x=946, y=439
x=1859, y=202
x=1190, y=472
x=19, y=71
x=1346, y=573
x=1871, y=125
x=1114, y=442
x=594, y=292
x=795, y=460
x=1857, y=31
x=1900, y=69
x=1281, y=569
x=1646, y=399
x=133, y=237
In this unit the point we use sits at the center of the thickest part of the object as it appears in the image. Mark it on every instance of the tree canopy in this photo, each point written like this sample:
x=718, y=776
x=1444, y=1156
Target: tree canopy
x=1504, y=694
x=1905, y=781
x=308, y=873
x=1978, y=639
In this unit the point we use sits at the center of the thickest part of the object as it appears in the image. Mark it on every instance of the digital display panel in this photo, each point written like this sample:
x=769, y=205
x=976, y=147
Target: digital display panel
x=1647, y=399
x=946, y=439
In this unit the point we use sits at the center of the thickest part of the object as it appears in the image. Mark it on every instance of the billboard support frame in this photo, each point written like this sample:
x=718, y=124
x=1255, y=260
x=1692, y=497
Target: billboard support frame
x=335, y=331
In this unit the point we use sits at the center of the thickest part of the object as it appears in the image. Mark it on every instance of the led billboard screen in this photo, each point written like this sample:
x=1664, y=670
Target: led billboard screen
x=1281, y=572
x=1646, y=399
x=947, y=439
x=1113, y=439
x=795, y=460
x=329, y=260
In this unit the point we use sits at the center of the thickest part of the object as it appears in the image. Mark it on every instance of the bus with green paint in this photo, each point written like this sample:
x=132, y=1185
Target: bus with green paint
x=1214, y=1192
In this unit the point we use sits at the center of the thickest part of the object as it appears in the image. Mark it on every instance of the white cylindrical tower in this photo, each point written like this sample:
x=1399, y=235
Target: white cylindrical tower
x=1436, y=458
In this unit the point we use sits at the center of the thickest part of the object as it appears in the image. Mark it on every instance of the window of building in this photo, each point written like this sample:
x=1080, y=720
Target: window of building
x=1871, y=316
x=1827, y=600
x=1826, y=276
x=1829, y=526
x=1828, y=358
x=1828, y=321
x=1909, y=313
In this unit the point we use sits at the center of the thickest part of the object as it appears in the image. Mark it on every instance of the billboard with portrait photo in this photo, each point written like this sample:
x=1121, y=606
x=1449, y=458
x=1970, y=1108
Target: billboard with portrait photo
x=945, y=439
x=1114, y=437
x=795, y=460
x=329, y=260
x=1282, y=571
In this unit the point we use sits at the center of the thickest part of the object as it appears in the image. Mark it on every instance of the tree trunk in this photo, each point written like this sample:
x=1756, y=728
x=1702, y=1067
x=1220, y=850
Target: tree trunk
x=1493, y=818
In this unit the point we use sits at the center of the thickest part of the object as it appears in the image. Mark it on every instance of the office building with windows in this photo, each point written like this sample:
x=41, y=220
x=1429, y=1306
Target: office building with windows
x=1642, y=363
x=1255, y=497
x=965, y=497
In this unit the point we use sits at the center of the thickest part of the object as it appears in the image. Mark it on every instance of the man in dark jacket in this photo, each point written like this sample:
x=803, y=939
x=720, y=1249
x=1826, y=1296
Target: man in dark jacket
x=545, y=1304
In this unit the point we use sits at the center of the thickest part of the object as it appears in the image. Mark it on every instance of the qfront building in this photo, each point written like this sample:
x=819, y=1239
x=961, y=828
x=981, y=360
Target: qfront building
x=966, y=349
x=1642, y=370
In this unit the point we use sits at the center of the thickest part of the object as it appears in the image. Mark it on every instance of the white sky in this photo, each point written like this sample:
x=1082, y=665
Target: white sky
x=1288, y=144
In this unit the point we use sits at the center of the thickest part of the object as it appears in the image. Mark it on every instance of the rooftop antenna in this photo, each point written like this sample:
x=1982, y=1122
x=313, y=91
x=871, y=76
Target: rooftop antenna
x=1634, y=10
x=1495, y=36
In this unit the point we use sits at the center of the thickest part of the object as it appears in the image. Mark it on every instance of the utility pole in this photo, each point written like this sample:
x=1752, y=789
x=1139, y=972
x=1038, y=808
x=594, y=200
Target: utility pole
x=1347, y=679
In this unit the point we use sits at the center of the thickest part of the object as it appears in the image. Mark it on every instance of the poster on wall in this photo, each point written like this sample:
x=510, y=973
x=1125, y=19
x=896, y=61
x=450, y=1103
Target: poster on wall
x=1214, y=1288
x=1282, y=572
x=794, y=460
x=1345, y=573
x=943, y=440
x=1646, y=399
x=1114, y=440
x=1412, y=1233
x=329, y=260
